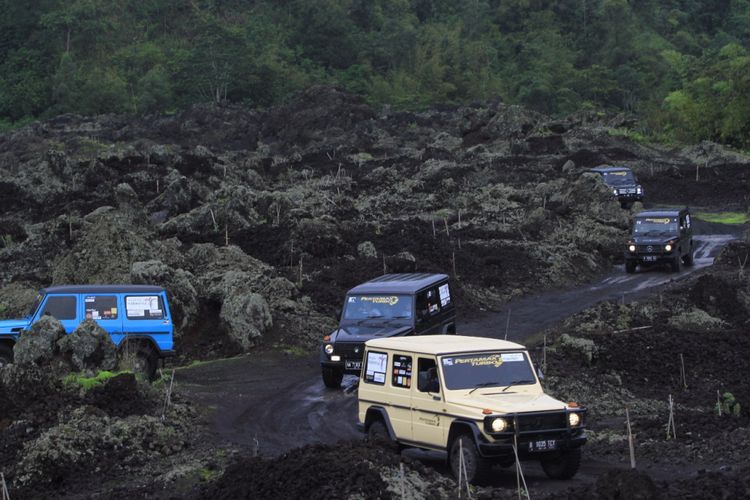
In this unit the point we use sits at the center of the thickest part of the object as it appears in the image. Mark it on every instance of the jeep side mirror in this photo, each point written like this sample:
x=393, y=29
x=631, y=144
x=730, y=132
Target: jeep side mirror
x=539, y=373
x=339, y=313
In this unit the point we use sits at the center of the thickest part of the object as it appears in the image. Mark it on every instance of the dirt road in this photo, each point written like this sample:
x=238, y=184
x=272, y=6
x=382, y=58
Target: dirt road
x=272, y=402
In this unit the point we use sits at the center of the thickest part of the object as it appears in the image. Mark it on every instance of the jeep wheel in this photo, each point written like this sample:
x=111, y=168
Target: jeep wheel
x=6, y=355
x=378, y=434
x=689, y=259
x=332, y=377
x=675, y=264
x=630, y=266
x=476, y=466
x=563, y=466
x=142, y=361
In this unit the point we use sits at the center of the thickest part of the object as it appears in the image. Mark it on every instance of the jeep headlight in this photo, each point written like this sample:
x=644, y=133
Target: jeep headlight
x=328, y=349
x=639, y=190
x=574, y=419
x=668, y=247
x=631, y=248
x=499, y=425
x=615, y=191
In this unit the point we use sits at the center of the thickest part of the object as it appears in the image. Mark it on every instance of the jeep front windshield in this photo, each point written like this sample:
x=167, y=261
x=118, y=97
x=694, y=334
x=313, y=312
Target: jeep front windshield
x=487, y=369
x=655, y=226
x=619, y=178
x=361, y=308
x=35, y=305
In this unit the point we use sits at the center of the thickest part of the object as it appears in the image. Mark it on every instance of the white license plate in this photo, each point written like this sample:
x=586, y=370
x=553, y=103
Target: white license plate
x=353, y=365
x=649, y=258
x=543, y=445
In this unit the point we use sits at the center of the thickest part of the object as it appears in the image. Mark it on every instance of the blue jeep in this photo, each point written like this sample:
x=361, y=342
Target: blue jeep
x=137, y=318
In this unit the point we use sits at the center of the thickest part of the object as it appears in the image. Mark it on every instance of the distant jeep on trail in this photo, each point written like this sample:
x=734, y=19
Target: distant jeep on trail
x=392, y=305
x=623, y=183
x=137, y=318
x=478, y=400
x=660, y=237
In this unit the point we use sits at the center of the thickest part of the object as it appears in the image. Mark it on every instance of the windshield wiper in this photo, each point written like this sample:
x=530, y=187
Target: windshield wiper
x=518, y=382
x=377, y=316
x=484, y=384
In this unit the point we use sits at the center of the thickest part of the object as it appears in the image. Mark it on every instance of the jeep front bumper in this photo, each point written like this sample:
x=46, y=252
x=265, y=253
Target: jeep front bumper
x=529, y=447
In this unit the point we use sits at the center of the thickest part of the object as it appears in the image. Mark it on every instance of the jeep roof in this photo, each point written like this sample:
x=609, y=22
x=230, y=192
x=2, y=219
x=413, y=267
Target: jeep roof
x=102, y=289
x=661, y=212
x=442, y=344
x=609, y=169
x=399, y=283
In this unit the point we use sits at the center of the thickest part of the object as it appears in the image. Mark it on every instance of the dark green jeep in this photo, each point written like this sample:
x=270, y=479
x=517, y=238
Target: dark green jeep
x=660, y=237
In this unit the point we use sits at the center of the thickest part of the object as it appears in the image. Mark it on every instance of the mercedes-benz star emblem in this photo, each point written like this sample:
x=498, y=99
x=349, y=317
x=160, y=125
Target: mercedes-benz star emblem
x=650, y=248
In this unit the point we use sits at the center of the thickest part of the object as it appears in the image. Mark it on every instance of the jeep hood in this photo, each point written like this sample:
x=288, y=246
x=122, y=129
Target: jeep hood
x=505, y=402
x=9, y=324
x=362, y=333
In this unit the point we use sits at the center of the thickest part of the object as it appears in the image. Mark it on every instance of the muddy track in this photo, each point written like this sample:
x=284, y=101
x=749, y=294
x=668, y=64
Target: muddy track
x=272, y=402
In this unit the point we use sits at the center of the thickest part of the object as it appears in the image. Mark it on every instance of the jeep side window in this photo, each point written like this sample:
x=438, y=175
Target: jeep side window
x=428, y=376
x=144, y=307
x=375, y=367
x=101, y=307
x=428, y=303
x=61, y=307
x=401, y=372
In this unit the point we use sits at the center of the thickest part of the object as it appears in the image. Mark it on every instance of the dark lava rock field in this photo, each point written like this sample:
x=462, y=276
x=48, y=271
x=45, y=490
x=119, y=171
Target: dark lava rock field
x=257, y=222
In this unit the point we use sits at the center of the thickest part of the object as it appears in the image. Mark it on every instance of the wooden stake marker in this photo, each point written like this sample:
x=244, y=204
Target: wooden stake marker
x=671, y=430
x=630, y=440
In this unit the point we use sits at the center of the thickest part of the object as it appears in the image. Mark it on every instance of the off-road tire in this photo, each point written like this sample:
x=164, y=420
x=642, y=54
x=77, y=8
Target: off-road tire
x=6, y=354
x=476, y=466
x=689, y=259
x=143, y=361
x=630, y=266
x=378, y=434
x=563, y=466
x=676, y=264
x=332, y=377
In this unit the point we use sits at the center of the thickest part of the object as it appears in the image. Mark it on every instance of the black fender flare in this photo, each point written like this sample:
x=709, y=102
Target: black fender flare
x=461, y=426
x=139, y=340
x=379, y=413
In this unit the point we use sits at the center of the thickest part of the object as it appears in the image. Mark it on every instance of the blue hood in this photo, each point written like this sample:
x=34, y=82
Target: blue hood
x=11, y=325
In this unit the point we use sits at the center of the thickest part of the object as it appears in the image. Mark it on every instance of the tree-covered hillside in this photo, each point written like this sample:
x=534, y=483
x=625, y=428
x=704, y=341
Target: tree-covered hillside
x=682, y=65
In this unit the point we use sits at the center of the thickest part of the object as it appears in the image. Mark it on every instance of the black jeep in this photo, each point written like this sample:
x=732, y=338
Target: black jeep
x=660, y=237
x=391, y=305
x=623, y=183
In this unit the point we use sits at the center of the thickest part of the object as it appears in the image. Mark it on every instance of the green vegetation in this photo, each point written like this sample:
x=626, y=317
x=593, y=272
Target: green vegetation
x=681, y=65
x=724, y=217
x=79, y=380
x=728, y=405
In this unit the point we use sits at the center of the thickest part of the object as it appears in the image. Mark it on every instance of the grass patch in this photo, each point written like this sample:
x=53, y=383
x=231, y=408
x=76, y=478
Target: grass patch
x=631, y=134
x=732, y=218
x=76, y=379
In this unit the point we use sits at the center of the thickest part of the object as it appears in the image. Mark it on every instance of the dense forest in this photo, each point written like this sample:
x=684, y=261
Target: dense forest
x=681, y=66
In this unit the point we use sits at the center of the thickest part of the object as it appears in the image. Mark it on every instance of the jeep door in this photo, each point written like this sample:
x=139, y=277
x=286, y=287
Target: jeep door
x=399, y=395
x=64, y=308
x=428, y=421
x=147, y=315
x=106, y=310
x=435, y=312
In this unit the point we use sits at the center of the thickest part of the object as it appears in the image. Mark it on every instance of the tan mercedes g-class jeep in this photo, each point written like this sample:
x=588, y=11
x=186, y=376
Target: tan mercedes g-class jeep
x=471, y=394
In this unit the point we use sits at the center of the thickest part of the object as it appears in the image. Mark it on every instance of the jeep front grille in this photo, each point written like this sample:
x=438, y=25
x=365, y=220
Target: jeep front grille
x=541, y=421
x=349, y=350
